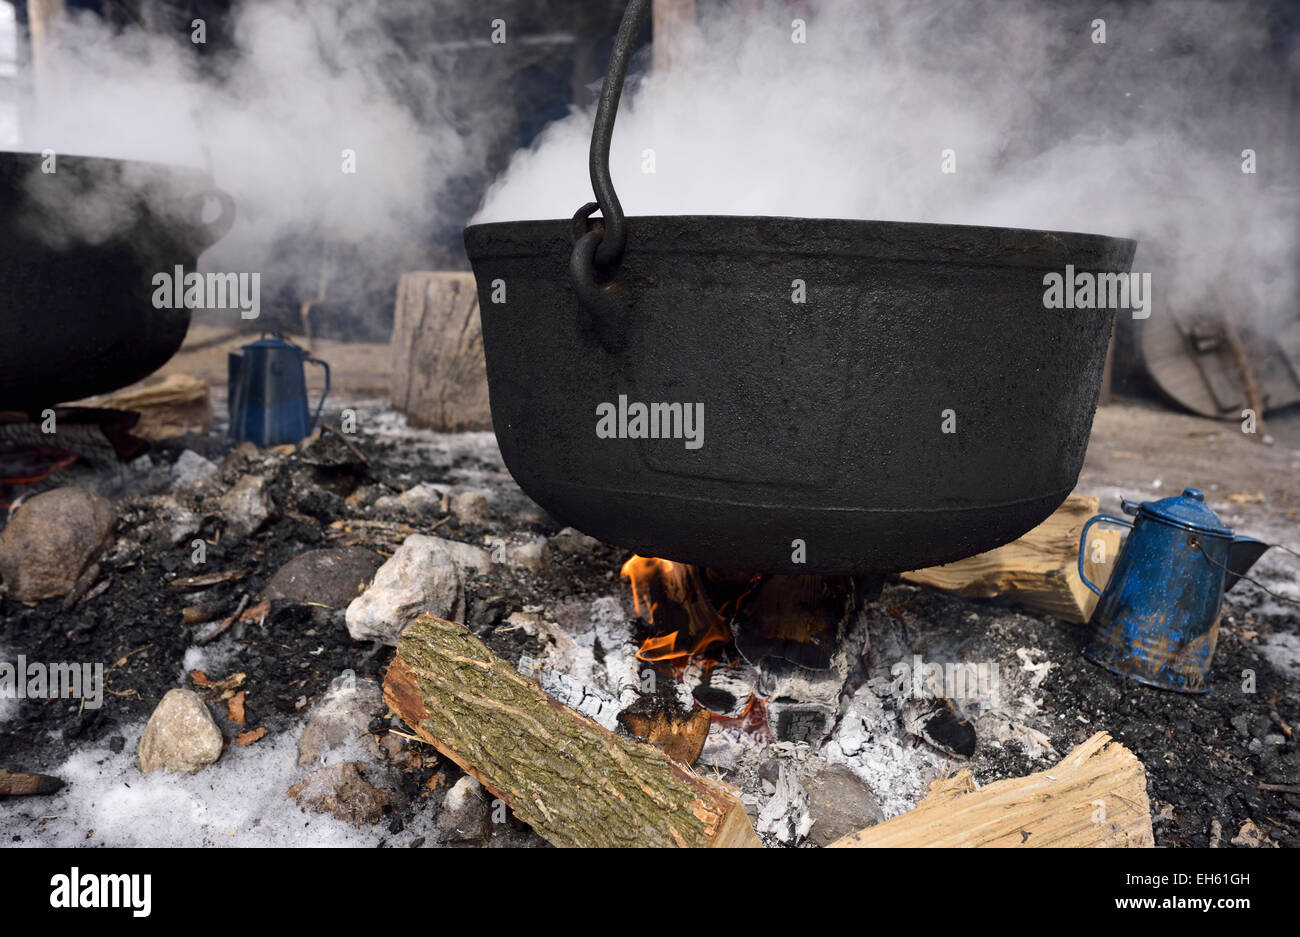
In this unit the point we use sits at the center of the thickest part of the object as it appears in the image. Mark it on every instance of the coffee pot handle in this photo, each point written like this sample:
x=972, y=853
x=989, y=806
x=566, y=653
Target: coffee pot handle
x=324, y=393
x=1083, y=542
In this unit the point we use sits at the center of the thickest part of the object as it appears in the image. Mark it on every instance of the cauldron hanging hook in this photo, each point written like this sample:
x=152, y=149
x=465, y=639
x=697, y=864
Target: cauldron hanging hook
x=610, y=238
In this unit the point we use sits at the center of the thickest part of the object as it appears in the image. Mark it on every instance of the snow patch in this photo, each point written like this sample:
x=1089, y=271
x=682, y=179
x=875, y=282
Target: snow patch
x=238, y=801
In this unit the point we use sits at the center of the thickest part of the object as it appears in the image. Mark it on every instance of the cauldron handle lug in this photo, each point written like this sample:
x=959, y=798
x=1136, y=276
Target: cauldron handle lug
x=210, y=232
x=604, y=312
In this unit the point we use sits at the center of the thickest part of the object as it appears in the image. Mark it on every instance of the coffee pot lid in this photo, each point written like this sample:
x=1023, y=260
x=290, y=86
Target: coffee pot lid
x=1189, y=511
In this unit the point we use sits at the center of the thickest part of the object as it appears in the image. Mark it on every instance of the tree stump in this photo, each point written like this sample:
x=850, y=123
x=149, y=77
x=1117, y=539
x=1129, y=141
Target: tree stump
x=439, y=378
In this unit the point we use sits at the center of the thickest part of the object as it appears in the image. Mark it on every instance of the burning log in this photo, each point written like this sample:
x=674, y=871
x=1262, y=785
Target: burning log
x=660, y=722
x=798, y=619
x=1040, y=570
x=574, y=782
x=439, y=379
x=1096, y=796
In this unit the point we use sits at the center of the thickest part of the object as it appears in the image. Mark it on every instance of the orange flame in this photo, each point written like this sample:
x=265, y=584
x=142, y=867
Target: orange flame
x=675, y=588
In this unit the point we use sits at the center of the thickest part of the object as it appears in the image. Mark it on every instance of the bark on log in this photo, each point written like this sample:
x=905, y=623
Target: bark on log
x=439, y=378
x=574, y=782
x=1040, y=570
x=1096, y=796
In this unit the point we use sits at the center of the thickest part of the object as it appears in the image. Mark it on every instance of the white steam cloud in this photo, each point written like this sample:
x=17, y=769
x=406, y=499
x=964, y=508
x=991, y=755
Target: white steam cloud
x=1140, y=136
x=296, y=84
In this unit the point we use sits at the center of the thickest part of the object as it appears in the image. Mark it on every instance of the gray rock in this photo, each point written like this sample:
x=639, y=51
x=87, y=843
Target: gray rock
x=424, y=498
x=470, y=558
x=466, y=814
x=244, y=459
x=421, y=578
x=532, y=555
x=343, y=714
x=839, y=803
x=191, y=469
x=333, y=576
x=570, y=540
x=52, y=539
x=181, y=735
x=343, y=791
x=246, y=506
x=469, y=507
x=173, y=524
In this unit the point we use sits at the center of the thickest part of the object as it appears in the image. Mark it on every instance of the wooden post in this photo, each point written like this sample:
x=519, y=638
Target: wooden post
x=43, y=20
x=439, y=379
x=670, y=19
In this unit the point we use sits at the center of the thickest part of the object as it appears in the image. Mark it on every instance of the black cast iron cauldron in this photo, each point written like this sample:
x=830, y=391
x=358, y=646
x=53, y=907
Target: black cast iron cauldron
x=79, y=248
x=824, y=448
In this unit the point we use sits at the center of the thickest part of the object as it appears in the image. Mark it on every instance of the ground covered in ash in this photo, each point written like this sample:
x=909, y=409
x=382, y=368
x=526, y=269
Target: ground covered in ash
x=1206, y=756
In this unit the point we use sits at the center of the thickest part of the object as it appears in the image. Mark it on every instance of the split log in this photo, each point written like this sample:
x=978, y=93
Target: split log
x=1096, y=796
x=439, y=379
x=1040, y=570
x=176, y=405
x=574, y=782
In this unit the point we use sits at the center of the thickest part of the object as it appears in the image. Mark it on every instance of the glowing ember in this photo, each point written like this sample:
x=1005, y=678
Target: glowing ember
x=37, y=473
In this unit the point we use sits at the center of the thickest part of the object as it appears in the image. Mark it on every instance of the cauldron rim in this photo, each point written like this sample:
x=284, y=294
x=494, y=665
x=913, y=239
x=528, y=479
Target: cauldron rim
x=86, y=158
x=885, y=240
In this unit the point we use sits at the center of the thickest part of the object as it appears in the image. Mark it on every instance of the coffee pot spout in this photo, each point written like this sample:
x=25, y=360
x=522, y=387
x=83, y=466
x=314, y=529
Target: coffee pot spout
x=1241, y=557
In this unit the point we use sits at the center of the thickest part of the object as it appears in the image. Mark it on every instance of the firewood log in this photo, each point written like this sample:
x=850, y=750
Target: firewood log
x=1095, y=796
x=173, y=406
x=574, y=782
x=1040, y=570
